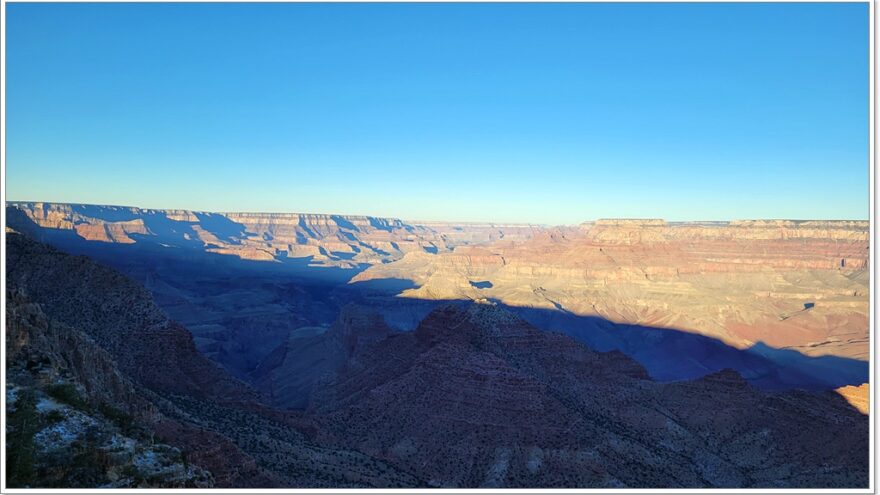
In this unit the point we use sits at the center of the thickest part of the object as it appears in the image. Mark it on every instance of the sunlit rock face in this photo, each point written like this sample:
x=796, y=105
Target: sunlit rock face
x=330, y=240
x=858, y=397
x=800, y=285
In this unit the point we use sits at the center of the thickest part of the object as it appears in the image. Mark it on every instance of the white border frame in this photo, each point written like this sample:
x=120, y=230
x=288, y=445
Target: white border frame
x=873, y=296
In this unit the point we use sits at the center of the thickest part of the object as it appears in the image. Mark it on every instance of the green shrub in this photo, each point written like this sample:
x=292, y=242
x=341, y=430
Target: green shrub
x=54, y=416
x=67, y=393
x=124, y=421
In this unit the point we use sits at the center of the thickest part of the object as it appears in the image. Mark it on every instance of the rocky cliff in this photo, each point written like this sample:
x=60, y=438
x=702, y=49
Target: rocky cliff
x=105, y=390
x=121, y=317
x=795, y=285
x=476, y=397
x=73, y=418
x=321, y=240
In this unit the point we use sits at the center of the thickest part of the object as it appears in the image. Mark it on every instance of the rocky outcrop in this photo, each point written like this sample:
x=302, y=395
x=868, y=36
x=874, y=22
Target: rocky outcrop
x=74, y=420
x=119, y=316
x=56, y=351
x=476, y=397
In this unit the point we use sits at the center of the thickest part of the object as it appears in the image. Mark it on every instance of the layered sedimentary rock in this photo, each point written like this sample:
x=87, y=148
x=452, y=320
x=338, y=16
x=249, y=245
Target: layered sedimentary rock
x=462, y=233
x=322, y=240
x=241, y=281
x=783, y=289
x=476, y=397
x=794, y=285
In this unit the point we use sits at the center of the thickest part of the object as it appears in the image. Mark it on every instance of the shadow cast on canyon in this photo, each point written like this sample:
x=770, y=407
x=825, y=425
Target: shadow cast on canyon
x=672, y=354
x=668, y=354
x=174, y=243
x=330, y=434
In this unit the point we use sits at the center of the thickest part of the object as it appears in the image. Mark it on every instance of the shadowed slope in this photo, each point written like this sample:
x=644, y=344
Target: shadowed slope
x=197, y=407
x=478, y=397
x=289, y=374
x=121, y=317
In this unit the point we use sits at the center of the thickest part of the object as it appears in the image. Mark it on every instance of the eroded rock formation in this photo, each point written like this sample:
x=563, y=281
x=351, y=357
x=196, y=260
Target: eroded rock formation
x=323, y=240
x=792, y=285
x=476, y=397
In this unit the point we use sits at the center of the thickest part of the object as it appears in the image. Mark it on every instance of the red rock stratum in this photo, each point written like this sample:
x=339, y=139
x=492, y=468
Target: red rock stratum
x=800, y=285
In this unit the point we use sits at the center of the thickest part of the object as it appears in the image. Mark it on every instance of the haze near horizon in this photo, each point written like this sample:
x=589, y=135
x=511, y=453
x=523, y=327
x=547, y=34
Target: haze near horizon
x=550, y=114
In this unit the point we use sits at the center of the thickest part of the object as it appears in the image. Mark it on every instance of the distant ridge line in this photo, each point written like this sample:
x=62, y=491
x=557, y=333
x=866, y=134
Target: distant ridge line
x=621, y=221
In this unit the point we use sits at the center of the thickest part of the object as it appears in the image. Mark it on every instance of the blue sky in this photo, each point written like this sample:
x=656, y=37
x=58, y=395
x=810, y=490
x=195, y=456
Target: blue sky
x=553, y=113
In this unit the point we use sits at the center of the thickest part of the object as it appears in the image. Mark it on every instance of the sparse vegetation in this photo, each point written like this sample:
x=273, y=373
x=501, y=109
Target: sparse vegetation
x=68, y=394
x=22, y=425
x=54, y=416
x=121, y=419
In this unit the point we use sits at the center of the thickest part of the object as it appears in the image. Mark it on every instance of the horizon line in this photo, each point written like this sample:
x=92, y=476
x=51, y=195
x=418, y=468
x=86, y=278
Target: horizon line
x=426, y=222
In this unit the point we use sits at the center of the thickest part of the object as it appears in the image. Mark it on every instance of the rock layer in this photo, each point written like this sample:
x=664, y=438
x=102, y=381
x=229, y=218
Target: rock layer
x=319, y=239
x=786, y=284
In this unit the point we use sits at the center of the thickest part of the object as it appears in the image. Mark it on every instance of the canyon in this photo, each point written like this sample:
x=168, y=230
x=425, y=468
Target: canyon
x=335, y=350
x=343, y=241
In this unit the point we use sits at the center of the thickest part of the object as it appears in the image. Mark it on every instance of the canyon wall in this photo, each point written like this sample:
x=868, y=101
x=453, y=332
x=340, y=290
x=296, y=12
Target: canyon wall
x=324, y=240
x=799, y=285
x=782, y=289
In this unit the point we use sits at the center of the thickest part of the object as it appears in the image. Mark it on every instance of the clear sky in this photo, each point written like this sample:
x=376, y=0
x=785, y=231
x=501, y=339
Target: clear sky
x=553, y=113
